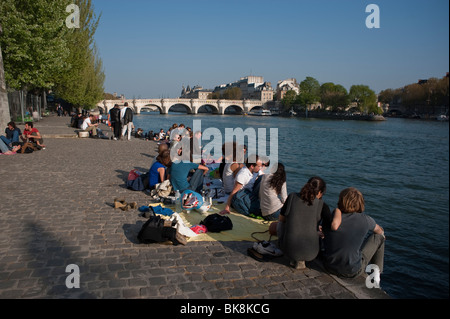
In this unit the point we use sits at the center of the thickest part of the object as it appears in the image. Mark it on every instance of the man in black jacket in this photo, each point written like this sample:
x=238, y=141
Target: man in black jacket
x=115, y=121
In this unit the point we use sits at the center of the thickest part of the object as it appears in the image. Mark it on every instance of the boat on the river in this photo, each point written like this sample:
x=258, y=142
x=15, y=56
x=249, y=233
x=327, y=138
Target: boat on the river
x=260, y=112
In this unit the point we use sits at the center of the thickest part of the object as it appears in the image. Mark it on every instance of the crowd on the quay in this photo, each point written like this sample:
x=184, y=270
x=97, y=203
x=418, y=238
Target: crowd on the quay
x=346, y=239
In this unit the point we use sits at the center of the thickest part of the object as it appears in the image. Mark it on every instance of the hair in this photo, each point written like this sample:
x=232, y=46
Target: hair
x=249, y=162
x=12, y=124
x=278, y=178
x=164, y=158
x=30, y=124
x=162, y=147
x=310, y=190
x=126, y=104
x=351, y=200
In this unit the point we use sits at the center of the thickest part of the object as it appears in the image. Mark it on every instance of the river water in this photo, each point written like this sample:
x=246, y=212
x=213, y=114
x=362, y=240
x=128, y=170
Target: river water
x=401, y=166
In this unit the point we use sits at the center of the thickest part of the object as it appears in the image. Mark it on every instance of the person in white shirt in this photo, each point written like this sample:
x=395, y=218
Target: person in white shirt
x=244, y=180
x=273, y=193
x=88, y=126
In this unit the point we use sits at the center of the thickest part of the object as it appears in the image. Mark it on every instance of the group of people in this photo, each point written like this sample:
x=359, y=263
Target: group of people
x=14, y=140
x=184, y=171
x=346, y=238
x=121, y=122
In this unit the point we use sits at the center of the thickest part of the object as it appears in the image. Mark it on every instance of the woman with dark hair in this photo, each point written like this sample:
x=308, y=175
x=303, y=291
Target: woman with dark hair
x=298, y=229
x=273, y=193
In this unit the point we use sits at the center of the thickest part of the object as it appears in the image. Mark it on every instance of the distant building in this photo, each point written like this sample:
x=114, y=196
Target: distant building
x=197, y=92
x=287, y=85
x=252, y=88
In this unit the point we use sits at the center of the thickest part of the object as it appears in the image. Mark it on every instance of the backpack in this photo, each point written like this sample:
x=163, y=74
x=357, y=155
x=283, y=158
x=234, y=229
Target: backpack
x=154, y=231
x=215, y=223
x=136, y=180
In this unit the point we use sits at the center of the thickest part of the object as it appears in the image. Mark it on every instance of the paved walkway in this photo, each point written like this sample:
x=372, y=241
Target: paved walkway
x=56, y=210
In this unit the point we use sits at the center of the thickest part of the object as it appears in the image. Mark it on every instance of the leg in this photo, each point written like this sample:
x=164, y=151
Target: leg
x=373, y=252
x=196, y=181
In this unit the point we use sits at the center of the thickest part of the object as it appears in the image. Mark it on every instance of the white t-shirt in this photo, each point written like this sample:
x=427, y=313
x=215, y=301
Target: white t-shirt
x=245, y=178
x=86, y=123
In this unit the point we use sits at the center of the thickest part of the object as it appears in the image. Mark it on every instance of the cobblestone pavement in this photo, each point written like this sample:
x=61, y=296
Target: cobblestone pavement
x=56, y=209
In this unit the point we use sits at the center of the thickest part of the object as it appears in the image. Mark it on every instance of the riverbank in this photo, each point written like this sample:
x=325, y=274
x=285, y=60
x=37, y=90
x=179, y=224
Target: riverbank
x=58, y=211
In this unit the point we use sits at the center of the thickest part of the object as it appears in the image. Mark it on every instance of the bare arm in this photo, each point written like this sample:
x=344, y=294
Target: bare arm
x=337, y=219
x=378, y=230
x=237, y=187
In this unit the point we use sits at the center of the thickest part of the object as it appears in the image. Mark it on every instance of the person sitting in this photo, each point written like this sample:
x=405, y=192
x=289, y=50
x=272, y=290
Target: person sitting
x=32, y=136
x=89, y=125
x=348, y=249
x=139, y=133
x=298, y=229
x=181, y=176
x=158, y=171
x=229, y=166
x=12, y=134
x=6, y=150
x=273, y=193
x=241, y=196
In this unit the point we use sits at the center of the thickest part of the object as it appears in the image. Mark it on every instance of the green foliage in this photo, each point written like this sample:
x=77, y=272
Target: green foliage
x=309, y=91
x=288, y=100
x=83, y=79
x=334, y=96
x=41, y=52
x=364, y=97
x=33, y=42
x=234, y=93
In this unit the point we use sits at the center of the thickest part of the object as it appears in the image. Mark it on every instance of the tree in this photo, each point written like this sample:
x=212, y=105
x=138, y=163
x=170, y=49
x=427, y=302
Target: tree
x=334, y=96
x=365, y=98
x=233, y=93
x=288, y=100
x=309, y=91
x=33, y=42
x=82, y=81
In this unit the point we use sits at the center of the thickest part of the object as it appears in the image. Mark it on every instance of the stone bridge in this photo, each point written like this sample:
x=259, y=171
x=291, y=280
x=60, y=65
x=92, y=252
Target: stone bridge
x=192, y=105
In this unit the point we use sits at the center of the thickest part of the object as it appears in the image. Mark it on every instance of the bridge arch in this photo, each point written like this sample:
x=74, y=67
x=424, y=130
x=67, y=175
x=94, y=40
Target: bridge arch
x=208, y=107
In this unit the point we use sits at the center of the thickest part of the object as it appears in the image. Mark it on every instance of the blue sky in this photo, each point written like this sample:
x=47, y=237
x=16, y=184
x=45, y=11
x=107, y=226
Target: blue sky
x=150, y=48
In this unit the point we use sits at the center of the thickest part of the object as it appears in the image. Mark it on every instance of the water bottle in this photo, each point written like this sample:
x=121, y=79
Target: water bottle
x=177, y=201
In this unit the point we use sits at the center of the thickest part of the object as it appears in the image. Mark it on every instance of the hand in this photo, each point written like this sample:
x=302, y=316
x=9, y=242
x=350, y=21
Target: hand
x=224, y=212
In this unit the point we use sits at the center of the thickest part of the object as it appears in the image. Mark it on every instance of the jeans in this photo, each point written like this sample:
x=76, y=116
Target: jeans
x=127, y=127
x=3, y=147
x=272, y=217
x=15, y=138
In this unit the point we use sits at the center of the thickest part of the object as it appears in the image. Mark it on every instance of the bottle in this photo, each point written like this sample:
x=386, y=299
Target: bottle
x=177, y=201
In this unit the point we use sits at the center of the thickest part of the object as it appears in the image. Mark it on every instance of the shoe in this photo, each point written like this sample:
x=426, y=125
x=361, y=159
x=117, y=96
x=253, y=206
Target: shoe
x=180, y=238
x=120, y=203
x=133, y=205
x=298, y=264
x=267, y=248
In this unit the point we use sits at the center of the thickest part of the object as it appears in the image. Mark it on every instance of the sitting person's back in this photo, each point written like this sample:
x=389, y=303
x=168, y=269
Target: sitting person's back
x=157, y=172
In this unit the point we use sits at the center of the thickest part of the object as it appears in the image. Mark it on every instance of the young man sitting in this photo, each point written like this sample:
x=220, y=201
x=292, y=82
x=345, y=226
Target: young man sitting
x=89, y=126
x=32, y=136
x=243, y=184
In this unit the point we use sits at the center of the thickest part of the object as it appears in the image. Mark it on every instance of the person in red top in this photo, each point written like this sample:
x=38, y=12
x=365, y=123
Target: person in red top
x=32, y=135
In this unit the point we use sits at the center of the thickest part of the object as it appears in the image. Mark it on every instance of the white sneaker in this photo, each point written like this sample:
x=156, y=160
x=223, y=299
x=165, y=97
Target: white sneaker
x=267, y=248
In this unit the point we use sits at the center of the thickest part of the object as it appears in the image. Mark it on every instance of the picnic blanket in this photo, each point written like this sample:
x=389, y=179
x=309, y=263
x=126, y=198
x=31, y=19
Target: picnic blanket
x=243, y=226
